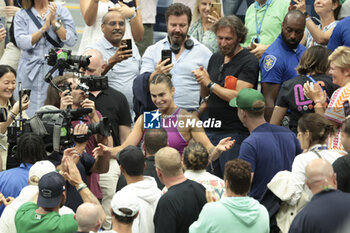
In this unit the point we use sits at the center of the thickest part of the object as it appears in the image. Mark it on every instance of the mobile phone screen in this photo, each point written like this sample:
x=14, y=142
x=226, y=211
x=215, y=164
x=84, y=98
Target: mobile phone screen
x=128, y=44
x=2, y=22
x=215, y=7
x=346, y=108
x=166, y=53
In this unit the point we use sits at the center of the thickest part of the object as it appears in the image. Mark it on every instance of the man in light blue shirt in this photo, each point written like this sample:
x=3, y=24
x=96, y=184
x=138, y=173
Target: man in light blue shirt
x=122, y=65
x=187, y=55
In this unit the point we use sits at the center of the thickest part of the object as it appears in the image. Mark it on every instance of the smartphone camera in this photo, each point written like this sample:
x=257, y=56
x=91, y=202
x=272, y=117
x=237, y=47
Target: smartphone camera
x=166, y=53
x=128, y=44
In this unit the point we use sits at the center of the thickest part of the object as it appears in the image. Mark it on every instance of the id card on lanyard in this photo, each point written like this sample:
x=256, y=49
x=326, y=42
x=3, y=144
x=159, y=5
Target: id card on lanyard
x=258, y=27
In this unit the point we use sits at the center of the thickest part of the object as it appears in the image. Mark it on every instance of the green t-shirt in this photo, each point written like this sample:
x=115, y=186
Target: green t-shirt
x=270, y=26
x=27, y=221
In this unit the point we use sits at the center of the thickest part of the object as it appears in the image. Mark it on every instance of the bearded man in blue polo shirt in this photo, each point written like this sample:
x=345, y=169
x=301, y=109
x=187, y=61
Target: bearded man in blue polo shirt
x=279, y=61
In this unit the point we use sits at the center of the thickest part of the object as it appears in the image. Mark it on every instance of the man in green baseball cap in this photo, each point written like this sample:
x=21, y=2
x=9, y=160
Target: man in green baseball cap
x=249, y=99
x=269, y=148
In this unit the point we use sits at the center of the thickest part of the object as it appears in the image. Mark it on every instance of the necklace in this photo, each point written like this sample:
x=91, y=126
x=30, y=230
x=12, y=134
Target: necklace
x=42, y=12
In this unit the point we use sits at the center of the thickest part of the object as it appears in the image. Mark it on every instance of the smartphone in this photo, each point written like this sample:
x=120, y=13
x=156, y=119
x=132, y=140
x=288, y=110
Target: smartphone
x=346, y=108
x=166, y=53
x=293, y=2
x=128, y=44
x=26, y=92
x=216, y=6
x=2, y=22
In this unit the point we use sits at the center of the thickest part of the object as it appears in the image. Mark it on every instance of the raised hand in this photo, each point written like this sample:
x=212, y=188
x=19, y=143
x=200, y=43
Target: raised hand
x=225, y=144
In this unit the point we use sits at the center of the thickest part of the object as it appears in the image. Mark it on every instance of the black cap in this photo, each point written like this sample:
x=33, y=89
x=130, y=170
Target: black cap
x=51, y=187
x=132, y=160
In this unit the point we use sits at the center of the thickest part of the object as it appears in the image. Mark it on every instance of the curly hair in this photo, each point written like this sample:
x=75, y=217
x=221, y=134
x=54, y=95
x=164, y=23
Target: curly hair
x=235, y=24
x=238, y=174
x=195, y=156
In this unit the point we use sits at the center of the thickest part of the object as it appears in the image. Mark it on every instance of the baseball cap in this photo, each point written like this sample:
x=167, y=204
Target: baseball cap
x=246, y=99
x=125, y=200
x=51, y=187
x=132, y=159
x=39, y=169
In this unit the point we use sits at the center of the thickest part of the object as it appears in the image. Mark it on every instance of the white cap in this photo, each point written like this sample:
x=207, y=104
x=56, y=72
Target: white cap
x=39, y=169
x=127, y=200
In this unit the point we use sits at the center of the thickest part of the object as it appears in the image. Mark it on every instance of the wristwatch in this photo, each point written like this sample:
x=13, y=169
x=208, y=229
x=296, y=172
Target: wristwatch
x=57, y=26
x=81, y=187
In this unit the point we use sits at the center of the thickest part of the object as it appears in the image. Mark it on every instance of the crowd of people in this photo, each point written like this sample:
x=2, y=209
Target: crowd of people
x=223, y=125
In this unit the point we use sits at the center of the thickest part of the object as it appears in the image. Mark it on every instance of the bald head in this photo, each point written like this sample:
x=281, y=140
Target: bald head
x=89, y=217
x=293, y=27
x=294, y=15
x=319, y=173
x=97, y=64
x=168, y=160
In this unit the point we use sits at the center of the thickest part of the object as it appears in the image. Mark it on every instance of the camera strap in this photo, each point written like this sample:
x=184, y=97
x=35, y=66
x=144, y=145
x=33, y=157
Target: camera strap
x=37, y=126
x=57, y=131
x=48, y=37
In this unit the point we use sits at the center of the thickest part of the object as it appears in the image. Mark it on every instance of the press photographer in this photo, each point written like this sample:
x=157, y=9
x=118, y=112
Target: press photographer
x=71, y=96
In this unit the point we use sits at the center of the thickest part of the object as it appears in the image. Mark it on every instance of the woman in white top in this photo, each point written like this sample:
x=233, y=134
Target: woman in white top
x=328, y=11
x=290, y=187
x=313, y=130
x=7, y=87
x=94, y=10
x=195, y=160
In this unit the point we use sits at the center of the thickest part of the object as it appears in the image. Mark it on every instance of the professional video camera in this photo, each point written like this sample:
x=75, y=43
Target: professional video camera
x=55, y=126
x=94, y=83
x=62, y=60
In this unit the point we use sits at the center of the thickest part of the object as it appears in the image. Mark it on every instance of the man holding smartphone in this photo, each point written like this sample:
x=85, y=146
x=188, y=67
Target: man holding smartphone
x=187, y=54
x=123, y=63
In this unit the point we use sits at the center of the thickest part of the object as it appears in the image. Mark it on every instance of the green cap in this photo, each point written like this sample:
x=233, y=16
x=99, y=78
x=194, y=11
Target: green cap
x=246, y=99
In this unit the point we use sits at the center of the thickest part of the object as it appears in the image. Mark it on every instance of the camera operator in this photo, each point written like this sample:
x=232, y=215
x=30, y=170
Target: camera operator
x=86, y=165
x=7, y=87
x=76, y=98
x=114, y=105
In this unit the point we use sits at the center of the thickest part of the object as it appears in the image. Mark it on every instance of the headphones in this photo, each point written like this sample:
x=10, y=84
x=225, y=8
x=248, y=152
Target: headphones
x=175, y=48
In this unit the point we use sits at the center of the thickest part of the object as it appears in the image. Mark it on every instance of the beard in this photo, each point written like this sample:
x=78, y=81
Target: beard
x=177, y=38
x=229, y=50
x=291, y=43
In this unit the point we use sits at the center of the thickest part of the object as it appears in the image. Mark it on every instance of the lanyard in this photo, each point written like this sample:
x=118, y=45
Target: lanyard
x=314, y=82
x=258, y=28
x=318, y=148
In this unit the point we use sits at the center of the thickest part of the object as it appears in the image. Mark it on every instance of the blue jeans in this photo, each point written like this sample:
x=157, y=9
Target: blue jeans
x=230, y=7
x=218, y=166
